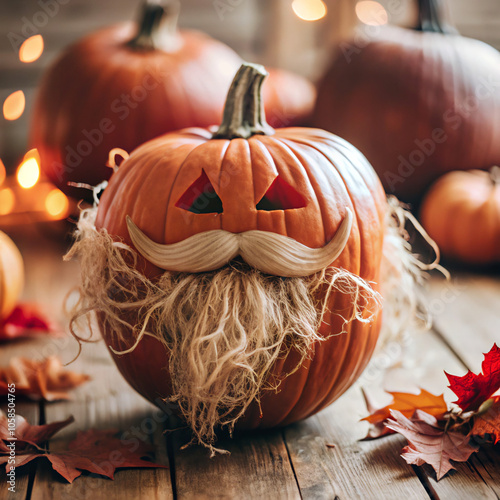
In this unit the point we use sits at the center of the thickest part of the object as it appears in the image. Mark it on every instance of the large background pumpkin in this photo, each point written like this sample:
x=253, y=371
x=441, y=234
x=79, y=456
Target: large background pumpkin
x=125, y=84
x=321, y=177
x=417, y=103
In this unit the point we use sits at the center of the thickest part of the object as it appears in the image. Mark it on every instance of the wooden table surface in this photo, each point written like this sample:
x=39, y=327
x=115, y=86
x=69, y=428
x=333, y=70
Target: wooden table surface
x=294, y=462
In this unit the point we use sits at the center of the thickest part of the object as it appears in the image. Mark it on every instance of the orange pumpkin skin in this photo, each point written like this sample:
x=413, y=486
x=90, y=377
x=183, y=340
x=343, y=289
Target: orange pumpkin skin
x=327, y=171
x=461, y=212
x=11, y=275
x=104, y=93
x=417, y=104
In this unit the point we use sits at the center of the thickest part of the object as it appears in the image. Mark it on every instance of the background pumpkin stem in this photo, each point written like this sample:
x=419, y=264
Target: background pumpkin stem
x=430, y=18
x=495, y=175
x=158, y=26
x=244, y=110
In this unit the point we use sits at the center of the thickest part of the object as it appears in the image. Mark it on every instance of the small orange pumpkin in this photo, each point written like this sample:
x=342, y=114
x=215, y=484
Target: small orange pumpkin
x=123, y=85
x=11, y=275
x=461, y=212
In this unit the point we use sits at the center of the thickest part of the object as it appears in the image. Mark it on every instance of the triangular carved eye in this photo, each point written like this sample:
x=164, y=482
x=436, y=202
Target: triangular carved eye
x=281, y=196
x=200, y=197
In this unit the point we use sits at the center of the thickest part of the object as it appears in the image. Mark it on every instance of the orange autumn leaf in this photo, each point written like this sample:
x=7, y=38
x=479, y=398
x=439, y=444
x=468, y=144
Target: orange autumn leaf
x=487, y=424
x=407, y=404
x=47, y=379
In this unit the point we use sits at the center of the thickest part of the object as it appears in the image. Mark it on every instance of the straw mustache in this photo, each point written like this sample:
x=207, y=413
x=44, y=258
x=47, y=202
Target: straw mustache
x=268, y=252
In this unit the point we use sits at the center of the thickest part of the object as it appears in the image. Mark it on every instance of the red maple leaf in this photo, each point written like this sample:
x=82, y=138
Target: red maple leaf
x=473, y=390
x=97, y=451
x=27, y=321
x=429, y=444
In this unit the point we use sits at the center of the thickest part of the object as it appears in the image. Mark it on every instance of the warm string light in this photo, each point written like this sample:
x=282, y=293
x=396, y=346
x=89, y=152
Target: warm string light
x=371, y=13
x=7, y=201
x=3, y=172
x=31, y=49
x=56, y=203
x=13, y=106
x=309, y=10
x=28, y=172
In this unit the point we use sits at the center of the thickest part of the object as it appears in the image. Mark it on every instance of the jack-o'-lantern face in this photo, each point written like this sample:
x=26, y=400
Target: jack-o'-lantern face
x=303, y=184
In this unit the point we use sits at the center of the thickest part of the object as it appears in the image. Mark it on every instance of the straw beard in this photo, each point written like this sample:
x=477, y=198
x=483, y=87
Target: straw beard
x=223, y=329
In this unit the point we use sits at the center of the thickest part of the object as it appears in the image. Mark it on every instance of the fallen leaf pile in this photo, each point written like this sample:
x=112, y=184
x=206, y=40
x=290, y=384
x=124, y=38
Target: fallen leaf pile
x=26, y=321
x=435, y=434
x=97, y=451
x=46, y=379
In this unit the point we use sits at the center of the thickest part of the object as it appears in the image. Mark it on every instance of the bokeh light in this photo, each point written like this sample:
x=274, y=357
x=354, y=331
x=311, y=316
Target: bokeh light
x=56, y=203
x=309, y=10
x=371, y=13
x=3, y=172
x=31, y=49
x=13, y=106
x=7, y=200
x=28, y=172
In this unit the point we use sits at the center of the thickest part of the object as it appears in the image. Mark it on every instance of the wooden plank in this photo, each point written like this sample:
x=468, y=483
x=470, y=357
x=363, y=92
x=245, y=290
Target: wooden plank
x=258, y=467
x=466, y=313
x=30, y=411
x=106, y=402
x=355, y=469
x=468, y=321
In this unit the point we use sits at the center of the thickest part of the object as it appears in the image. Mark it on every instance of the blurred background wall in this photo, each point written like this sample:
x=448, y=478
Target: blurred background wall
x=267, y=31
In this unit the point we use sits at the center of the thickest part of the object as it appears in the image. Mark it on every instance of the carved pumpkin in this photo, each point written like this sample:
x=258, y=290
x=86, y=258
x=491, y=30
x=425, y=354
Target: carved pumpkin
x=461, y=212
x=11, y=275
x=120, y=87
x=417, y=103
x=226, y=262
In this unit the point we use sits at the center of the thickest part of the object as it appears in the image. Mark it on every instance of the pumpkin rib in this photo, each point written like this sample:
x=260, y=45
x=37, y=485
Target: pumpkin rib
x=167, y=203
x=315, y=186
x=258, y=149
x=353, y=204
x=126, y=185
x=136, y=185
x=301, y=165
x=333, y=386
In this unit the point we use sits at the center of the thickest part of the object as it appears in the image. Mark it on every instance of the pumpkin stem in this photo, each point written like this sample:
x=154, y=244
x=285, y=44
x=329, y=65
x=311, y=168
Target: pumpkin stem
x=244, y=109
x=158, y=26
x=430, y=19
x=495, y=175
